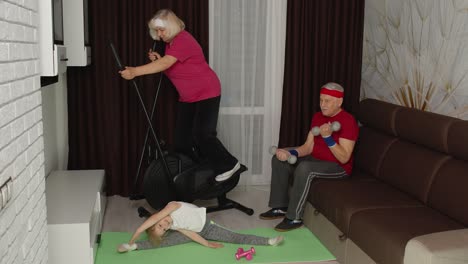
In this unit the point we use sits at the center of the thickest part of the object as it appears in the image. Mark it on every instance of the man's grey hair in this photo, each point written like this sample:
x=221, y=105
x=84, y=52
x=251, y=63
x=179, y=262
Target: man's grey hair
x=333, y=86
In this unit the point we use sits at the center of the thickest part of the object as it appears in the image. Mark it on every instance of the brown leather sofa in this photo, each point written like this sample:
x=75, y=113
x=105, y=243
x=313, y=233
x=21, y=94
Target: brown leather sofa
x=407, y=199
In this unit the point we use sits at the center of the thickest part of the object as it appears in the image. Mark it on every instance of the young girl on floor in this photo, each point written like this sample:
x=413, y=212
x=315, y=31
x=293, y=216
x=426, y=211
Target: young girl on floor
x=192, y=225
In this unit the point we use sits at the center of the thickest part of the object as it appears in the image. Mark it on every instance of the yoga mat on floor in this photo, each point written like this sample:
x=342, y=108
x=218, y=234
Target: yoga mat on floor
x=299, y=245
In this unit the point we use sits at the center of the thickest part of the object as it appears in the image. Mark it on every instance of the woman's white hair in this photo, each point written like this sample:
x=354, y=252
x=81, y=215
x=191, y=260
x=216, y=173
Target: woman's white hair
x=173, y=24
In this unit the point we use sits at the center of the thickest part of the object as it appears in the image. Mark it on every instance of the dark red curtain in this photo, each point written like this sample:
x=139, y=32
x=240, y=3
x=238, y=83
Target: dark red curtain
x=107, y=126
x=324, y=42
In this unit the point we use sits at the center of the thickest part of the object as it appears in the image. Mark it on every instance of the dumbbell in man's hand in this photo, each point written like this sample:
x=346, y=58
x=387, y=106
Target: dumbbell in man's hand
x=335, y=126
x=291, y=158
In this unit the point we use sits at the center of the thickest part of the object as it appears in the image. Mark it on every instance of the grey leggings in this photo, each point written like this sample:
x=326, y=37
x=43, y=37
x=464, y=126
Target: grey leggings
x=211, y=231
x=305, y=171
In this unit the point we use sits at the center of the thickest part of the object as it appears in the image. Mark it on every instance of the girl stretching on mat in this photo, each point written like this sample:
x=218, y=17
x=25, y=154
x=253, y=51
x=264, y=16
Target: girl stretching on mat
x=192, y=225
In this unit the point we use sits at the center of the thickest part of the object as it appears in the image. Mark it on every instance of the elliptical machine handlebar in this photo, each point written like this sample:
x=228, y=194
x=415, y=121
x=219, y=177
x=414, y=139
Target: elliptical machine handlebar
x=120, y=66
x=116, y=56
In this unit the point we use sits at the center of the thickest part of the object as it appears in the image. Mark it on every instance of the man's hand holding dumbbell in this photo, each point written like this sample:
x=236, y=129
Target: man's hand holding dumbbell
x=326, y=130
x=284, y=154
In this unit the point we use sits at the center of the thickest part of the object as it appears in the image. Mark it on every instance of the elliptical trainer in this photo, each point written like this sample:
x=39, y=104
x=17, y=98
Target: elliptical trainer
x=174, y=176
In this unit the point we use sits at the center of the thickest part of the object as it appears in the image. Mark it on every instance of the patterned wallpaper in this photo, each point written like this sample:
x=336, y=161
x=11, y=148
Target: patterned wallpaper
x=416, y=54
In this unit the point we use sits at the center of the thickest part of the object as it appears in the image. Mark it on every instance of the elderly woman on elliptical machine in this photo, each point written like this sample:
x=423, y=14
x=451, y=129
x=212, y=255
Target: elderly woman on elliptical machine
x=199, y=91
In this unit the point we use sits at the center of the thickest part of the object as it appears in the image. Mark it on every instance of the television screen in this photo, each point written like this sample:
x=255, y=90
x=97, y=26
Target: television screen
x=86, y=23
x=58, y=21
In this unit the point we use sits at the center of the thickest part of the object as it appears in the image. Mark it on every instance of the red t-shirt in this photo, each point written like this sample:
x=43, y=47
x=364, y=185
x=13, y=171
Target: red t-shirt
x=349, y=130
x=191, y=75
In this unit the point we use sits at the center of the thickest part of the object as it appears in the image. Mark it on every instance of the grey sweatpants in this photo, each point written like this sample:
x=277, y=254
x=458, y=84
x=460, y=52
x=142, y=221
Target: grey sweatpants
x=211, y=231
x=305, y=170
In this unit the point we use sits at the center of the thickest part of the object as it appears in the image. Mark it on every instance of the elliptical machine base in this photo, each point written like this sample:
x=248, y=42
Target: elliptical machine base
x=191, y=181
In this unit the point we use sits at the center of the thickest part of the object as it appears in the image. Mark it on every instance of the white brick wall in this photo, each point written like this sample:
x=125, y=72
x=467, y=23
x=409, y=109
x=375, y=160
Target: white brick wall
x=23, y=226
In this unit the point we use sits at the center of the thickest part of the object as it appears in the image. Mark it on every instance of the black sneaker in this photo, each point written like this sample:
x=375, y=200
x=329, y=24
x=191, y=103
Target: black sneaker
x=274, y=213
x=288, y=224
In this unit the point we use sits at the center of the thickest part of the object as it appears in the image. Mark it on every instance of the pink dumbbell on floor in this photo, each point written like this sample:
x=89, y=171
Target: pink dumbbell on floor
x=247, y=254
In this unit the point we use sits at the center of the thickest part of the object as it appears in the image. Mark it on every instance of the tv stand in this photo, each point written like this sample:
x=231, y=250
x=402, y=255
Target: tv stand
x=75, y=210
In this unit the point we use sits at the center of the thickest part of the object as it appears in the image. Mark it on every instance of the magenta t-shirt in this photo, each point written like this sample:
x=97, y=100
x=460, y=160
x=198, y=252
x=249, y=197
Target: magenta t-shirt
x=191, y=74
x=349, y=130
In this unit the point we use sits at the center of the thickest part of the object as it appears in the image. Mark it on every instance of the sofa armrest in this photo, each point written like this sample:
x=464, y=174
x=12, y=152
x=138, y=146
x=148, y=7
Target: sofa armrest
x=450, y=247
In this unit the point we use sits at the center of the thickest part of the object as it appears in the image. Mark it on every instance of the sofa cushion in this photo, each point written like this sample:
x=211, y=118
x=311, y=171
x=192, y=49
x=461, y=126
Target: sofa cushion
x=424, y=128
x=438, y=248
x=458, y=141
x=370, y=150
x=338, y=200
x=359, y=175
x=379, y=115
x=448, y=191
x=383, y=233
x=411, y=168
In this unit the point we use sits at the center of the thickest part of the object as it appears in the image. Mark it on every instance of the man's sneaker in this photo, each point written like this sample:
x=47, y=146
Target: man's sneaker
x=228, y=174
x=288, y=224
x=274, y=213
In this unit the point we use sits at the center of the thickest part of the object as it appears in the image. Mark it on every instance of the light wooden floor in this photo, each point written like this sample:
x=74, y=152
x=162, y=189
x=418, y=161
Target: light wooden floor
x=121, y=213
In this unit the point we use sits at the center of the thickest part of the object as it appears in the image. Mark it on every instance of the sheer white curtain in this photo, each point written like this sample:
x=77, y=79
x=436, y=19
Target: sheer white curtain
x=247, y=47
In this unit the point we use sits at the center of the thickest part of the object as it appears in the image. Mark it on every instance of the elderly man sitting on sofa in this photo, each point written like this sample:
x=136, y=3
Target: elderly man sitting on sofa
x=326, y=153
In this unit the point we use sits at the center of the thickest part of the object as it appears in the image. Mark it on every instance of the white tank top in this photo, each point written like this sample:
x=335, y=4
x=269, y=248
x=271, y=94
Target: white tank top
x=189, y=217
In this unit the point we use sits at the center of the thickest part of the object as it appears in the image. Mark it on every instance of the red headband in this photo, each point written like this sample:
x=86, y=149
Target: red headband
x=333, y=93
